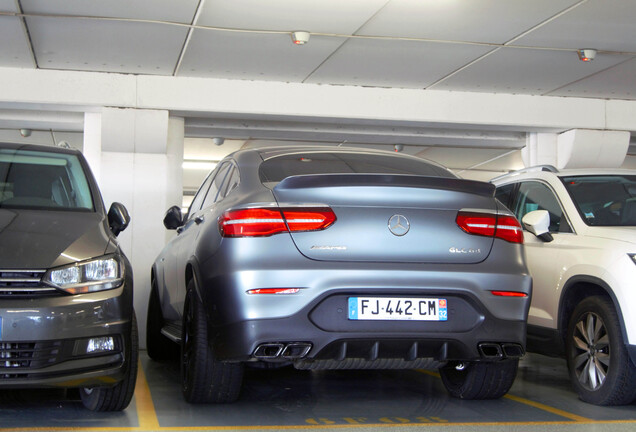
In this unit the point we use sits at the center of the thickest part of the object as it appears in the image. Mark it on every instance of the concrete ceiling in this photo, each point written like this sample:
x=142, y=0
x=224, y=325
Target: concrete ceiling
x=508, y=46
x=492, y=46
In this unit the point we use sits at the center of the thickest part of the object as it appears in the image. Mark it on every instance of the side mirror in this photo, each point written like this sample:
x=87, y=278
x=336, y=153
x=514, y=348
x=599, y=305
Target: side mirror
x=173, y=219
x=118, y=218
x=538, y=223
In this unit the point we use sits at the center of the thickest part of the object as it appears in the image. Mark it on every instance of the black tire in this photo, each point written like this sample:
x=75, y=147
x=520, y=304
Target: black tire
x=118, y=397
x=204, y=379
x=480, y=380
x=158, y=346
x=600, y=369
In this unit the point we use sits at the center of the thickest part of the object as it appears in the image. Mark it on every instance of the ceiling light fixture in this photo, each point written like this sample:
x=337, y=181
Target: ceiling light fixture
x=300, y=37
x=25, y=132
x=218, y=141
x=586, y=54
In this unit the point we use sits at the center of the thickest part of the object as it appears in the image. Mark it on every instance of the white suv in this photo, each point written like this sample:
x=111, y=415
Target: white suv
x=580, y=242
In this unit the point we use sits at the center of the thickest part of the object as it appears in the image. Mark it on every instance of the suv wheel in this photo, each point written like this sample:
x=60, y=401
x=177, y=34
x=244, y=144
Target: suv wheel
x=599, y=364
x=118, y=397
x=479, y=380
x=204, y=379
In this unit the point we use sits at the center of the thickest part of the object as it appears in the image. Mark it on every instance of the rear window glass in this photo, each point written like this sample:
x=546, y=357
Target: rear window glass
x=42, y=180
x=273, y=170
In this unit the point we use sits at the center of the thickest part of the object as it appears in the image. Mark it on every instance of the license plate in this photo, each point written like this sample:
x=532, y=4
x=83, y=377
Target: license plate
x=397, y=308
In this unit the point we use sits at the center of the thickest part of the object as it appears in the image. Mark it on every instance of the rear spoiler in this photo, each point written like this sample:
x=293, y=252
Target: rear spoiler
x=392, y=180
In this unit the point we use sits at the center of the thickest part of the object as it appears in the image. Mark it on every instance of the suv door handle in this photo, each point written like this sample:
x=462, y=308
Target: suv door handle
x=198, y=220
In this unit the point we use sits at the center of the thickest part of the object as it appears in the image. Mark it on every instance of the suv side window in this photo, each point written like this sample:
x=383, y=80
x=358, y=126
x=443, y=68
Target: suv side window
x=231, y=183
x=216, y=185
x=533, y=195
x=200, y=195
x=504, y=194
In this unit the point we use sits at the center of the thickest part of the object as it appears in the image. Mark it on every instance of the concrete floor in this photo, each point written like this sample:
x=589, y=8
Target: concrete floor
x=540, y=400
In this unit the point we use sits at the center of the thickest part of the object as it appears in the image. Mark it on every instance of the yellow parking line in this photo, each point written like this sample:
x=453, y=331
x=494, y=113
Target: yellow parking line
x=148, y=421
x=529, y=402
x=146, y=413
x=548, y=408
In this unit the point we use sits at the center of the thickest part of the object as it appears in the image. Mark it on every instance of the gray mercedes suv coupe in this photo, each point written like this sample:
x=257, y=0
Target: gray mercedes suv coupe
x=66, y=311
x=340, y=258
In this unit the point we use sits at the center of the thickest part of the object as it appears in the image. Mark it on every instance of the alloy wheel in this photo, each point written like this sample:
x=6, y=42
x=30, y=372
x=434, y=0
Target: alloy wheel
x=592, y=344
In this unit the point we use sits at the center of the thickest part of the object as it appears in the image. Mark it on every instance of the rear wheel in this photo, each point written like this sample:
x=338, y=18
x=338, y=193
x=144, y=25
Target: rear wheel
x=118, y=397
x=479, y=380
x=599, y=364
x=204, y=379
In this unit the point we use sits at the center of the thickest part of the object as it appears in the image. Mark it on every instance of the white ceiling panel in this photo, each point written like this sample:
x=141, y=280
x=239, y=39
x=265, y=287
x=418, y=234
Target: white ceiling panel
x=165, y=10
x=14, y=49
x=526, y=71
x=386, y=63
x=506, y=162
x=353, y=42
x=111, y=46
x=253, y=56
x=462, y=158
x=618, y=82
x=8, y=5
x=493, y=21
x=325, y=16
x=599, y=24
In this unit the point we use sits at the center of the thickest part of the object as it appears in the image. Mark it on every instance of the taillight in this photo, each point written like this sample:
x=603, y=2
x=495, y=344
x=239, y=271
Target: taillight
x=505, y=227
x=308, y=218
x=509, y=294
x=273, y=291
x=509, y=229
x=261, y=222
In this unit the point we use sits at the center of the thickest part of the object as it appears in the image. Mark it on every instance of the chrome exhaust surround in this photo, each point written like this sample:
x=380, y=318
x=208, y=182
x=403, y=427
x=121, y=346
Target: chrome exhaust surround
x=286, y=350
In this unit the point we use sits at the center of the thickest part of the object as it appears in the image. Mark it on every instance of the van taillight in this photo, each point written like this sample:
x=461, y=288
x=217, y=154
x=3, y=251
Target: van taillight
x=505, y=227
x=262, y=222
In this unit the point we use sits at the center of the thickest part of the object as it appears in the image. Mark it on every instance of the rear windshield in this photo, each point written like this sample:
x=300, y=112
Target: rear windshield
x=273, y=170
x=42, y=180
x=604, y=200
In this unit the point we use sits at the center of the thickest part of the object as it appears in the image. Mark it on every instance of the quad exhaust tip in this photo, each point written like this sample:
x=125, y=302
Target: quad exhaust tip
x=289, y=351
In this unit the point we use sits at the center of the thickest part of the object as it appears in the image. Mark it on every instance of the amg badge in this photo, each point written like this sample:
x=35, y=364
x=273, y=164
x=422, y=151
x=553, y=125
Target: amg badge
x=455, y=250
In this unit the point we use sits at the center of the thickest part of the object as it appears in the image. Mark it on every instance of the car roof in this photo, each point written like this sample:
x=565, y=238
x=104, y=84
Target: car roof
x=270, y=152
x=40, y=148
x=546, y=170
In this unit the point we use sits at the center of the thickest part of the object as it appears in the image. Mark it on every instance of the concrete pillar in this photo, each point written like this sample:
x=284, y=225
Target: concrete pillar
x=92, y=147
x=585, y=148
x=136, y=156
x=577, y=148
x=540, y=149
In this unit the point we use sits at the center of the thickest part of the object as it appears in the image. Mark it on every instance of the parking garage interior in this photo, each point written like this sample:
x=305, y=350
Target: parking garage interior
x=156, y=93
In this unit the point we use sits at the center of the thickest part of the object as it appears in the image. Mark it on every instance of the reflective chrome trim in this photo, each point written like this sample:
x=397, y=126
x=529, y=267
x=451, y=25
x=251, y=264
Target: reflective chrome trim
x=25, y=289
x=487, y=211
x=399, y=225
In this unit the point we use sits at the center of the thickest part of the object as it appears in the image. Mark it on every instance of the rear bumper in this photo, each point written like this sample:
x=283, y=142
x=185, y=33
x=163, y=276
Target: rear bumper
x=240, y=342
x=317, y=314
x=323, y=326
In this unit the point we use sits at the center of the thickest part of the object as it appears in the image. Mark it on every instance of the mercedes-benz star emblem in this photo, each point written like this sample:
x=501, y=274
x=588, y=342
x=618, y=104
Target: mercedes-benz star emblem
x=399, y=225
